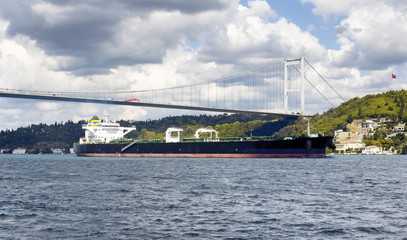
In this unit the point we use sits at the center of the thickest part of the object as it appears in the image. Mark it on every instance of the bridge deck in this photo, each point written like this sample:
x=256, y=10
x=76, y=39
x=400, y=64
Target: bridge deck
x=53, y=97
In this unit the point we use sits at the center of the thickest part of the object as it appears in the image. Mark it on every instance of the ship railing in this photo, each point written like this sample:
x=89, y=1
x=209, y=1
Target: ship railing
x=200, y=140
x=149, y=140
x=229, y=139
x=127, y=141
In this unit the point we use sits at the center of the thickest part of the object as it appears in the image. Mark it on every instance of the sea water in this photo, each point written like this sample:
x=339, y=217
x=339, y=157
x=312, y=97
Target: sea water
x=69, y=197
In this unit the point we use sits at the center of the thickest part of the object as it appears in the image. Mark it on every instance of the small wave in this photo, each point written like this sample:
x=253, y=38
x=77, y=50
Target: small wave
x=372, y=230
x=332, y=232
x=24, y=216
x=258, y=222
x=213, y=212
x=174, y=206
x=259, y=212
x=302, y=225
x=192, y=234
x=121, y=190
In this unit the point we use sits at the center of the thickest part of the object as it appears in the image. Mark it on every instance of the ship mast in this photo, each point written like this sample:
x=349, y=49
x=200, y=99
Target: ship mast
x=105, y=115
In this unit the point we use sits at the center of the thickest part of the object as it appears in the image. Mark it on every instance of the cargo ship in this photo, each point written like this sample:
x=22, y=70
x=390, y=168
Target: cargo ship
x=105, y=138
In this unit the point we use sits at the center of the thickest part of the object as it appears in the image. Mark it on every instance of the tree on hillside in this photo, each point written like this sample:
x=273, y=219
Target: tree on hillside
x=400, y=116
x=360, y=112
x=350, y=118
x=298, y=128
x=144, y=134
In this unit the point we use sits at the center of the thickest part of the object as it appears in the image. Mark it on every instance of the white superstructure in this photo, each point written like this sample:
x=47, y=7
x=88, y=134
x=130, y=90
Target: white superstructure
x=103, y=131
x=204, y=130
x=169, y=138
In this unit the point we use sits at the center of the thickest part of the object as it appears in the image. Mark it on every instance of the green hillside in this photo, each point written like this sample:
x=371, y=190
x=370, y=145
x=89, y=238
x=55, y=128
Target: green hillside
x=389, y=105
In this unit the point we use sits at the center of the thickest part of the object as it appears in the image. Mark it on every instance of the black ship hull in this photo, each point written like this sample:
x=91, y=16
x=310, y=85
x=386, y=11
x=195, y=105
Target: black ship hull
x=292, y=147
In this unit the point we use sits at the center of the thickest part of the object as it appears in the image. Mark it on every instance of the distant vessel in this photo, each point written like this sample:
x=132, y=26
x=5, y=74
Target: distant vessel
x=105, y=138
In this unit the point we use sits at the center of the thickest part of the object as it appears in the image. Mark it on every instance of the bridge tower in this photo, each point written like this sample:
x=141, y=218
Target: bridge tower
x=287, y=90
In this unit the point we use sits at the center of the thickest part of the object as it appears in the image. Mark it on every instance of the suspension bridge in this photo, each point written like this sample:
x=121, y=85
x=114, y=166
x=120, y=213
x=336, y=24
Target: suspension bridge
x=281, y=88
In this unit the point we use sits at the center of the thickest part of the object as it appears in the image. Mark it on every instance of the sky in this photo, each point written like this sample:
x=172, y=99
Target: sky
x=104, y=45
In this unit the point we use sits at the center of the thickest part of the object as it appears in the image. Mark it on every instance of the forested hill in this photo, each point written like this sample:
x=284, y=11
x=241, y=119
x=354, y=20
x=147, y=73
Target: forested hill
x=63, y=135
x=390, y=105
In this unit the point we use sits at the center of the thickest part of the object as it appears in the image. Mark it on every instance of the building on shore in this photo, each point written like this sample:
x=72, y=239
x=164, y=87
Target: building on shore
x=19, y=151
x=57, y=151
x=348, y=141
x=372, y=150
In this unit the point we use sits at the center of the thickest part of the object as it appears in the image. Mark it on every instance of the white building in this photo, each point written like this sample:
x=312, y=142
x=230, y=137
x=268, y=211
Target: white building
x=343, y=146
x=348, y=141
x=19, y=151
x=400, y=127
x=372, y=150
x=368, y=126
x=57, y=151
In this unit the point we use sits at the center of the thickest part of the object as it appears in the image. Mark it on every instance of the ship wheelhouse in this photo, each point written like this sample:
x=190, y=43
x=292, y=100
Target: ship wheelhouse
x=103, y=131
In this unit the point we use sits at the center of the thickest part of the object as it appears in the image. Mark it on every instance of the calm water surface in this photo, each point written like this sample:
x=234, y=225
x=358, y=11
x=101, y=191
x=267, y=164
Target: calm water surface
x=68, y=197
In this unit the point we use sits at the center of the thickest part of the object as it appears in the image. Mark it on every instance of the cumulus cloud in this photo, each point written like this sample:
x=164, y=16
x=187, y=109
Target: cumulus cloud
x=248, y=37
x=367, y=33
x=95, y=37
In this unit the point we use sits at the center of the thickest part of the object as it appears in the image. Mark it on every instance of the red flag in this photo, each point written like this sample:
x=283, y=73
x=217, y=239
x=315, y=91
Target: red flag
x=393, y=76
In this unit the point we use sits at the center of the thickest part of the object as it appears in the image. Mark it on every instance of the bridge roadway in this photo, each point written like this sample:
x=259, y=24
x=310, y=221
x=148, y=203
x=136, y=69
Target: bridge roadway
x=54, y=97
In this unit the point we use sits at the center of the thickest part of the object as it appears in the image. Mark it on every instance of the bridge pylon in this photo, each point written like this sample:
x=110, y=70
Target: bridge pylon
x=287, y=89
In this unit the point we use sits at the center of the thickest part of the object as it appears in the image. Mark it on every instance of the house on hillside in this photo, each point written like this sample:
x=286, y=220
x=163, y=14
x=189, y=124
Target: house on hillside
x=399, y=127
x=382, y=124
x=348, y=141
x=368, y=126
x=372, y=150
x=354, y=126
